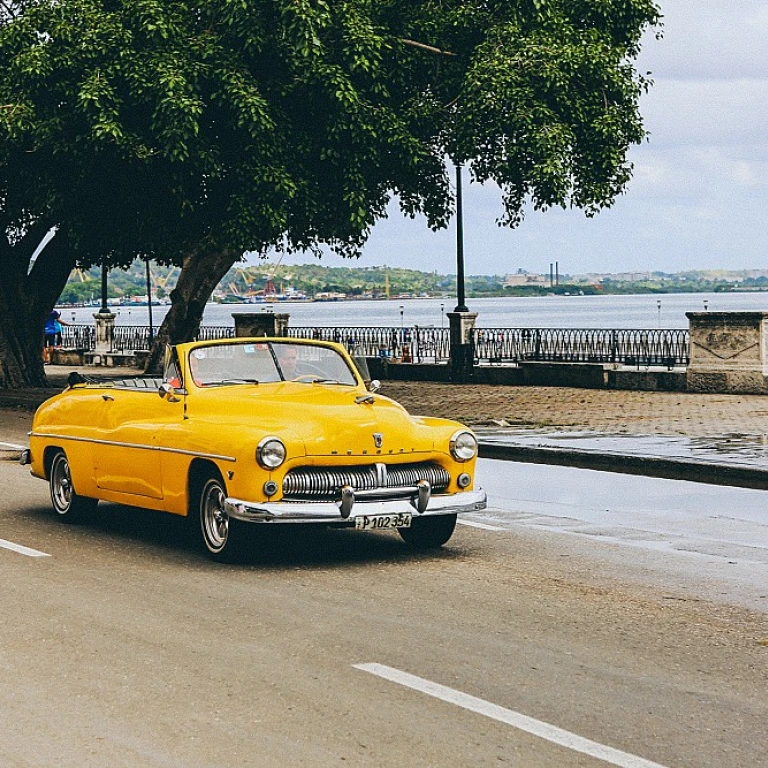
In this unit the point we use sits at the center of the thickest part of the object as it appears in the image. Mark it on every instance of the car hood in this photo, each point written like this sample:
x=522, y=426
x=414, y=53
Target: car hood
x=325, y=419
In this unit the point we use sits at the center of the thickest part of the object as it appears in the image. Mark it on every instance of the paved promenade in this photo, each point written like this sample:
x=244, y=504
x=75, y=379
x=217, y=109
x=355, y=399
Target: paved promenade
x=721, y=439
x=715, y=438
x=601, y=410
x=614, y=412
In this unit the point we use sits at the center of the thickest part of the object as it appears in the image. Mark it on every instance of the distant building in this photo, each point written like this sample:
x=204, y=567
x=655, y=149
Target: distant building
x=525, y=278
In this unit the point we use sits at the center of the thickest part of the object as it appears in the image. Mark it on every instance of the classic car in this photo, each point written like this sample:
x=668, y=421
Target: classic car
x=255, y=431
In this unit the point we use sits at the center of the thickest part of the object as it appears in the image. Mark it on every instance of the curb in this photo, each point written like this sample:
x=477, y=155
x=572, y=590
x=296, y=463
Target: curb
x=649, y=466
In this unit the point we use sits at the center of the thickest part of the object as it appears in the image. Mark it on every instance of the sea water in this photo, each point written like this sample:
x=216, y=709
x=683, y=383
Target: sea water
x=633, y=311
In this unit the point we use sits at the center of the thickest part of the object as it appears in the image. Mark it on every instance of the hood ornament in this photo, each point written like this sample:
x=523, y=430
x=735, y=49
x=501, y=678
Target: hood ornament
x=378, y=439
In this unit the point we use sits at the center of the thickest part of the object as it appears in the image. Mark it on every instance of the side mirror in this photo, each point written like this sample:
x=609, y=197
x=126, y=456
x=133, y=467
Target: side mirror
x=374, y=385
x=167, y=392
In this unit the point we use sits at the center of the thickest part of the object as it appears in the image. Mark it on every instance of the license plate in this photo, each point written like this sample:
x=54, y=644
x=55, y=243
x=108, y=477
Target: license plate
x=376, y=522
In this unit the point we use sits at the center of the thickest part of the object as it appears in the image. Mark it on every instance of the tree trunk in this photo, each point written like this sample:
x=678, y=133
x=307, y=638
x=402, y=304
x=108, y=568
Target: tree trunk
x=201, y=271
x=25, y=301
x=21, y=346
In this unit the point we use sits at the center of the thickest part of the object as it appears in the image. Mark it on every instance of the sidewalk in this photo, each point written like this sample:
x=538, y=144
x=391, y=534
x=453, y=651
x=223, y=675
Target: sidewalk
x=721, y=439
x=709, y=438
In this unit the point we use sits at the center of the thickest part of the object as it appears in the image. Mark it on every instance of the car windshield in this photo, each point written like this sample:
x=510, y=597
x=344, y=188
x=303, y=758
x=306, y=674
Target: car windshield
x=264, y=362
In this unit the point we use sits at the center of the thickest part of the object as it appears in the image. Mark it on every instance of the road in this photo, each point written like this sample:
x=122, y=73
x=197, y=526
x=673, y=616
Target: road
x=530, y=641
x=706, y=542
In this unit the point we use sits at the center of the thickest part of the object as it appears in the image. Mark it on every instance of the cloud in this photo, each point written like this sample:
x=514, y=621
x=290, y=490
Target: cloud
x=699, y=111
x=709, y=39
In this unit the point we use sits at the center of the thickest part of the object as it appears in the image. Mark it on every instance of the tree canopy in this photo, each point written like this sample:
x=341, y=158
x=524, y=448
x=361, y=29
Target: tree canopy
x=189, y=130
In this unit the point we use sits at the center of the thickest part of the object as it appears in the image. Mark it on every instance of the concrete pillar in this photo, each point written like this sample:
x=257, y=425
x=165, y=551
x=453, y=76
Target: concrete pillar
x=105, y=332
x=729, y=352
x=460, y=327
x=261, y=323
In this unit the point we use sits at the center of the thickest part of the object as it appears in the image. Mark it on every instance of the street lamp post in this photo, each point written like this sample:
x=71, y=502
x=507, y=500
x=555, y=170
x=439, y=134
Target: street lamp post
x=105, y=322
x=461, y=306
x=402, y=336
x=461, y=321
x=104, y=308
x=658, y=304
x=149, y=304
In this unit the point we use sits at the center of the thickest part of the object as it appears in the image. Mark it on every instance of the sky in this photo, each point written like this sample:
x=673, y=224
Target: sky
x=699, y=188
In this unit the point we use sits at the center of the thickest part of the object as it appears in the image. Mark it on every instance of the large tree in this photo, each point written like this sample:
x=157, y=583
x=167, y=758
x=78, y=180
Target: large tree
x=191, y=132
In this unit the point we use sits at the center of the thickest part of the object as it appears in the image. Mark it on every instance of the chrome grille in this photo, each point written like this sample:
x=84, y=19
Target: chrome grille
x=399, y=475
x=325, y=483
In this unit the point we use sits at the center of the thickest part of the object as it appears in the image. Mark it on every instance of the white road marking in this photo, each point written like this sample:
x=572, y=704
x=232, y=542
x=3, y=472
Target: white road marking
x=538, y=728
x=12, y=446
x=22, y=550
x=483, y=526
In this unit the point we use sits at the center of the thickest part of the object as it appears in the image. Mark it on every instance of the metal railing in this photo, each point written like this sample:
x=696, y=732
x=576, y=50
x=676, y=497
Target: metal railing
x=130, y=338
x=414, y=344
x=213, y=332
x=655, y=347
x=78, y=337
x=409, y=343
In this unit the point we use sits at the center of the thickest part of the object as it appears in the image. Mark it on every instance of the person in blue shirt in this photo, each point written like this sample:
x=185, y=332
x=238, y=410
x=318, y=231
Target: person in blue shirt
x=53, y=328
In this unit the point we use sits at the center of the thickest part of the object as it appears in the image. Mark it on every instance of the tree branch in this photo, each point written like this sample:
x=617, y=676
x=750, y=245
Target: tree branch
x=49, y=274
x=425, y=47
x=11, y=12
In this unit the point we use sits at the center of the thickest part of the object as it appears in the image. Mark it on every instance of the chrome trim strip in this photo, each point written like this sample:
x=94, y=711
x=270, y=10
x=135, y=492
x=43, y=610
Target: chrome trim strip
x=330, y=512
x=117, y=444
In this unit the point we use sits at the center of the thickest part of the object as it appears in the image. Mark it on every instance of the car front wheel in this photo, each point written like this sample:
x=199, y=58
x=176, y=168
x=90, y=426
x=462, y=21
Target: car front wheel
x=219, y=531
x=429, y=532
x=70, y=507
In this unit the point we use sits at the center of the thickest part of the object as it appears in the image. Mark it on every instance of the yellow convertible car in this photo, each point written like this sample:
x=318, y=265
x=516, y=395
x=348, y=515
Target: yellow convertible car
x=255, y=431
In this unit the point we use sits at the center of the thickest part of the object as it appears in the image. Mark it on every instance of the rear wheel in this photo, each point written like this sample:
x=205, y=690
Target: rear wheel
x=70, y=507
x=220, y=533
x=429, y=532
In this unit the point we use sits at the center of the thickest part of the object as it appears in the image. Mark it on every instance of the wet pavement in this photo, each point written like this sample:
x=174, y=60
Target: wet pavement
x=693, y=541
x=730, y=459
x=733, y=449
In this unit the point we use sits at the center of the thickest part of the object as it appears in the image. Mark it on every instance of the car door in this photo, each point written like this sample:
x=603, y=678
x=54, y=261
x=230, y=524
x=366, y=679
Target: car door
x=129, y=456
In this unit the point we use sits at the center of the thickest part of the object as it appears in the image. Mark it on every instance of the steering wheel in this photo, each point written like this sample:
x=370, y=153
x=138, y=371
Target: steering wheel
x=311, y=372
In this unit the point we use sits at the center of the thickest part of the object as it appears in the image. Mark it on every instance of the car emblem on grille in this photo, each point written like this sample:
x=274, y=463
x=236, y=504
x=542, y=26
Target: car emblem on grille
x=378, y=439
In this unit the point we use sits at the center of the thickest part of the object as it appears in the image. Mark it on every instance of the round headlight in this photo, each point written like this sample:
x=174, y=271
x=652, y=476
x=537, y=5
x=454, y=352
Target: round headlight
x=270, y=453
x=463, y=446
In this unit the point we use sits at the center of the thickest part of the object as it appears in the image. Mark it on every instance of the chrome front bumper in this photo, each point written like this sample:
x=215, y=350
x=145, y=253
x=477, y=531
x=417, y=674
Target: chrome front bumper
x=330, y=512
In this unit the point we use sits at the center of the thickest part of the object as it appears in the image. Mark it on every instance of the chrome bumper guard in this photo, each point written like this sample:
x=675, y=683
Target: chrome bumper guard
x=334, y=512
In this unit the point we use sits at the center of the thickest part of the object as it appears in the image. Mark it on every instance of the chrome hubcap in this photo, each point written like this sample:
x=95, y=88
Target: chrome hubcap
x=215, y=520
x=62, y=485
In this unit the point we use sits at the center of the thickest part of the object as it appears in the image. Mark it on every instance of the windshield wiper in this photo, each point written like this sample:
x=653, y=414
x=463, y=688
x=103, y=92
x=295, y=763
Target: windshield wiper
x=221, y=382
x=310, y=379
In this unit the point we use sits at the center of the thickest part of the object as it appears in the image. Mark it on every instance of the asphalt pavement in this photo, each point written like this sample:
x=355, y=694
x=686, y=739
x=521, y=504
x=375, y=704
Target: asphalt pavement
x=517, y=644
x=627, y=629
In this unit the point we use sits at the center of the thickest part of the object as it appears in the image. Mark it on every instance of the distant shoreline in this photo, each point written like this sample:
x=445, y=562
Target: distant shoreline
x=571, y=311
x=408, y=297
